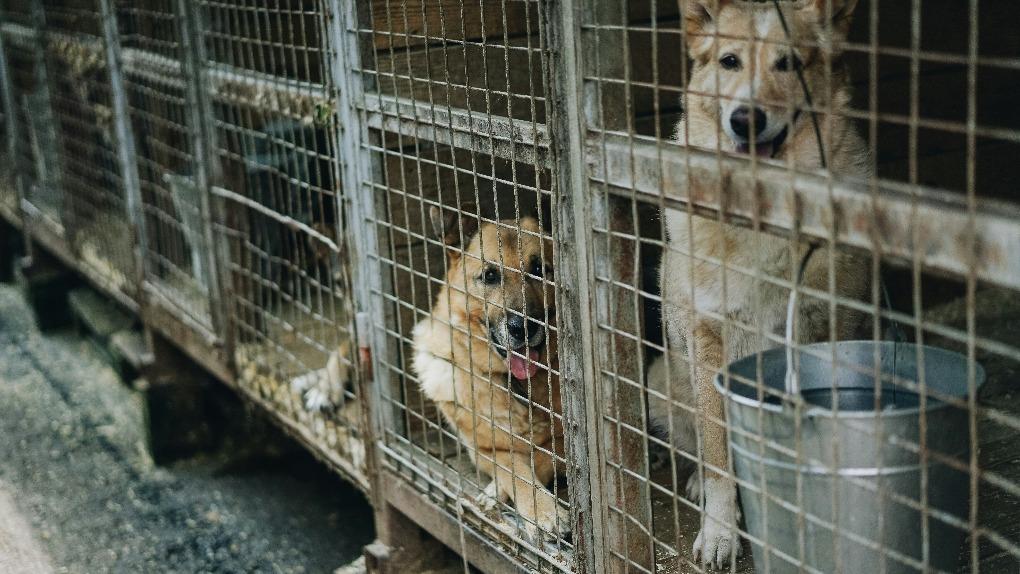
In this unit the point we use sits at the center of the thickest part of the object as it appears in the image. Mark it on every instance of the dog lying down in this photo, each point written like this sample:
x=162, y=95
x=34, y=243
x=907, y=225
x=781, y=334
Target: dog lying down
x=486, y=358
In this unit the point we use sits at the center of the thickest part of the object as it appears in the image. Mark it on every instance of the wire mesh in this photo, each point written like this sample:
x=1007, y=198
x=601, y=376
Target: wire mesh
x=176, y=273
x=449, y=87
x=94, y=209
x=290, y=311
x=884, y=245
x=754, y=177
x=29, y=85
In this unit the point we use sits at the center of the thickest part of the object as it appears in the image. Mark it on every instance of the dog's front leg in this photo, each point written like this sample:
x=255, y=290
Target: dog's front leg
x=523, y=479
x=717, y=542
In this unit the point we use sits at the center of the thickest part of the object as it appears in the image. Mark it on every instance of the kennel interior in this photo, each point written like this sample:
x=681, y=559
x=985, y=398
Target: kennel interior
x=258, y=182
x=454, y=98
x=291, y=317
x=174, y=238
x=928, y=81
x=183, y=157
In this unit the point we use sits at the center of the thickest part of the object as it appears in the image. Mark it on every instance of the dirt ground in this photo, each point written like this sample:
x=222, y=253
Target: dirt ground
x=78, y=493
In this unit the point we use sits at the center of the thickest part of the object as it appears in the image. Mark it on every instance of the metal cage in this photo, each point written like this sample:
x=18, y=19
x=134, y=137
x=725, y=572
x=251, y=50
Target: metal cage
x=497, y=261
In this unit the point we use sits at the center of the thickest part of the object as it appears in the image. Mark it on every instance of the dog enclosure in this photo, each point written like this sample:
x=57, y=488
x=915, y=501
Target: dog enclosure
x=259, y=182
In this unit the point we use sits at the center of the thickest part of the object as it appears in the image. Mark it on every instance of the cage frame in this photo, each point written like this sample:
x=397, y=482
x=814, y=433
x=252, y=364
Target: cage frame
x=587, y=153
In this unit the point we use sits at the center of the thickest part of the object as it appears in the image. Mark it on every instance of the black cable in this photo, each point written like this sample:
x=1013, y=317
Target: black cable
x=804, y=87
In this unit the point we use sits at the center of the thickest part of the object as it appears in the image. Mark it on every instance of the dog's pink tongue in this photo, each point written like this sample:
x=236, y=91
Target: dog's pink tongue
x=522, y=368
x=761, y=150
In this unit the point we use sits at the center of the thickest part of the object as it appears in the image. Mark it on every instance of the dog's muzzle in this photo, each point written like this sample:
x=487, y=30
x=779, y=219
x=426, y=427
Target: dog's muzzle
x=767, y=148
x=743, y=132
x=519, y=339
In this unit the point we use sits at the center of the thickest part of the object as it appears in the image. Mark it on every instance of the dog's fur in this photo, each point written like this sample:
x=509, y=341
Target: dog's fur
x=695, y=289
x=511, y=427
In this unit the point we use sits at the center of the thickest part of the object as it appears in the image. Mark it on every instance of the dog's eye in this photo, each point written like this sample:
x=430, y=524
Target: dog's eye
x=783, y=63
x=730, y=62
x=539, y=270
x=490, y=276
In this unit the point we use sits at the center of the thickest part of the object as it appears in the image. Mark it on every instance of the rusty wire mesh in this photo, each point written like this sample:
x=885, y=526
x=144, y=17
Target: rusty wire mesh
x=94, y=212
x=291, y=313
x=435, y=74
x=908, y=207
x=399, y=186
x=176, y=273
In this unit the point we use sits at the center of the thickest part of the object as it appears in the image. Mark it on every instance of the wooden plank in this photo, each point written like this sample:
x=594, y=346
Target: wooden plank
x=413, y=23
x=617, y=356
x=477, y=549
x=499, y=80
x=900, y=222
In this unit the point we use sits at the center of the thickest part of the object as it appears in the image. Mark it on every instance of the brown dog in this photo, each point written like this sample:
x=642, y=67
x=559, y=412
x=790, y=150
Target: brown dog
x=486, y=357
x=744, y=96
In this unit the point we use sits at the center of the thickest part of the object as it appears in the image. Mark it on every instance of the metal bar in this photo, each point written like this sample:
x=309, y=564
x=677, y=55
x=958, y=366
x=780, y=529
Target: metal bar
x=574, y=278
x=506, y=138
x=886, y=223
x=618, y=357
x=50, y=184
x=288, y=221
x=13, y=131
x=357, y=204
x=205, y=162
x=125, y=140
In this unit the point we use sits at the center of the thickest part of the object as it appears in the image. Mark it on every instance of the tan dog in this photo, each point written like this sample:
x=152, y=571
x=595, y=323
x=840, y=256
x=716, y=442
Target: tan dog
x=744, y=96
x=486, y=358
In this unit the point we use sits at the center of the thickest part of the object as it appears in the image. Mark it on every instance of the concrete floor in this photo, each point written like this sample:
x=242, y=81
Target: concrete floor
x=78, y=493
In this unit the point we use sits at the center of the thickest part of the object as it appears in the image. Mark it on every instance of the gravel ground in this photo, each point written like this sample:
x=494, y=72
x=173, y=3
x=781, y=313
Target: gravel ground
x=71, y=459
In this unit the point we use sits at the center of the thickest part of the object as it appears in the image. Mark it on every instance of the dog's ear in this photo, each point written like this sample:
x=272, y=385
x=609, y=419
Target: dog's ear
x=698, y=18
x=700, y=13
x=449, y=223
x=841, y=14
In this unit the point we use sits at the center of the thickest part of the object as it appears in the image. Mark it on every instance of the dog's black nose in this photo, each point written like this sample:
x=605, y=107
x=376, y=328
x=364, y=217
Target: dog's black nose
x=740, y=121
x=520, y=329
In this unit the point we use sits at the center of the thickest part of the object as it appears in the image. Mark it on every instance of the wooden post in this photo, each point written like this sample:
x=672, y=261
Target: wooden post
x=574, y=292
x=618, y=308
x=401, y=545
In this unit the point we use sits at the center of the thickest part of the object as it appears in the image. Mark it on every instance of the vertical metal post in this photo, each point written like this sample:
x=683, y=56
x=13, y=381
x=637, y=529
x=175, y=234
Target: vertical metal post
x=357, y=165
x=574, y=281
x=205, y=162
x=125, y=139
x=606, y=106
x=50, y=174
x=13, y=130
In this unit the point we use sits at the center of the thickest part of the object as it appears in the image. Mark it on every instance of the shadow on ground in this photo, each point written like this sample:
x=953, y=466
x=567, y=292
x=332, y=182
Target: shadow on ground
x=73, y=460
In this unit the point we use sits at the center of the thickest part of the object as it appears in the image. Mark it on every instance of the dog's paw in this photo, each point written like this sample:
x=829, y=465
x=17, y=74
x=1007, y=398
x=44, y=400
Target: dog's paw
x=552, y=521
x=693, y=488
x=718, y=543
x=319, y=392
x=356, y=452
x=490, y=498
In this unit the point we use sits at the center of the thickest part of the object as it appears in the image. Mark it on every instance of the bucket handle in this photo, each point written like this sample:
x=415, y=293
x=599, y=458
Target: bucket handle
x=792, y=374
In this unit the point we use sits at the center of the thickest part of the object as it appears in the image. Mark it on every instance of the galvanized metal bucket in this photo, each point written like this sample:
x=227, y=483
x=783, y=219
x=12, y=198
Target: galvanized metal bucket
x=850, y=478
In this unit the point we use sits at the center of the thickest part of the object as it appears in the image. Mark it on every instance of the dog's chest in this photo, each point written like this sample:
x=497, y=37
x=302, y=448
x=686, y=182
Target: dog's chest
x=721, y=267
